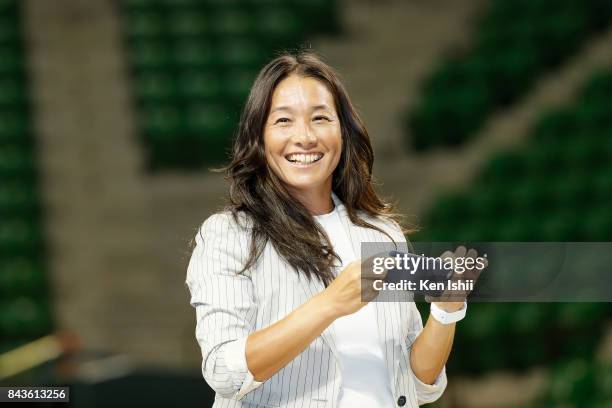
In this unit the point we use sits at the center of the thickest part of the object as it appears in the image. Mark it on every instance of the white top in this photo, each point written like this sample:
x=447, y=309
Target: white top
x=365, y=380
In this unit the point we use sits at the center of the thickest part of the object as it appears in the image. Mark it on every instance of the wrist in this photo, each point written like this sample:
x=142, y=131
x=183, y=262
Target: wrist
x=445, y=317
x=324, y=307
x=449, y=307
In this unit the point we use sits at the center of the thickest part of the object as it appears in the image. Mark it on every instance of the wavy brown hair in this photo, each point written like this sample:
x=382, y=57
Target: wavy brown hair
x=259, y=193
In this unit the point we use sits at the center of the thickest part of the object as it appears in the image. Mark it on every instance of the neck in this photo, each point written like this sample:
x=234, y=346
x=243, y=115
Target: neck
x=317, y=201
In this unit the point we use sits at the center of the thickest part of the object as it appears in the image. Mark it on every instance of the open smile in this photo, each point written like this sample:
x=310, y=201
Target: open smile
x=303, y=159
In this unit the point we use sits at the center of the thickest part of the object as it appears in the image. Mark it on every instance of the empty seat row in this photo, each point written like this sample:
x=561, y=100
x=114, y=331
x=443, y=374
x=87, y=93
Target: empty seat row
x=193, y=63
x=513, y=47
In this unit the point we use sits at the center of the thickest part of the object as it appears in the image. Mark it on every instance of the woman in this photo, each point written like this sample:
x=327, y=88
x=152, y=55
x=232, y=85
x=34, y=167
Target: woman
x=275, y=279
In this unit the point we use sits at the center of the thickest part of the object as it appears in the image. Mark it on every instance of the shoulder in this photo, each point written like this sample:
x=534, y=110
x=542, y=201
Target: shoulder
x=225, y=225
x=389, y=225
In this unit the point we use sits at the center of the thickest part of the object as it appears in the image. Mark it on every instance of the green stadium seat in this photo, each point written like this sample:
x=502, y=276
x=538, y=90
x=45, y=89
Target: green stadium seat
x=142, y=5
x=562, y=225
x=313, y=11
x=17, y=198
x=504, y=166
x=604, y=381
x=10, y=61
x=229, y=24
x=21, y=277
x=581, y=316
x=585, y=153
x=527, y=318
x=279, y=26
x=572, y=382
x=20, y=236
x=452, y=208
x=519, y=227
x=597, y=224
x=24, y=317
x=156, y=88
x=489, y=201
x=565, y=31
x=9, y=30
x=570, y=192
x=601, y=184
x=14, y=128
x=515, y=69
x=200, y=86
x=162, y=122
x=529, y=196
x=599, y=87
x=207, y=120
x=594, y=114
x=238, y=83
x=545, y=159
x=145, y=26
x=195, y=55
x=13, y=94
x=212, y=127
x=16, y=163
x=188, y=23
x=556, y=125
x=241, y=54
x=464, y=108
x=150, y=56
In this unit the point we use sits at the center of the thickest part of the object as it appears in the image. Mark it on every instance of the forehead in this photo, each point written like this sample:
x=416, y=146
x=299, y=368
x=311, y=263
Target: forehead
x=298, y=90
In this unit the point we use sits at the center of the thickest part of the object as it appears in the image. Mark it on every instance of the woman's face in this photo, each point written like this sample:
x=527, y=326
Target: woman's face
x=302, y=136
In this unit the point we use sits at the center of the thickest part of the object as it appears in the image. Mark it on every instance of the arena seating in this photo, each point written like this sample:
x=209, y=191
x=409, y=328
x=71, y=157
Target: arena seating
x=25, y=313
x=193, y=61
x=516, y=43
x=538, y=193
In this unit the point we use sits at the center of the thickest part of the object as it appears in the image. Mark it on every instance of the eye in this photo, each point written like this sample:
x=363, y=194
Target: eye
x=321, y=117
x=282, y=120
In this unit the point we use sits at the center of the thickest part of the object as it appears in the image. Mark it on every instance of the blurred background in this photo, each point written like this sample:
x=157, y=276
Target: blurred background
x=491, y=120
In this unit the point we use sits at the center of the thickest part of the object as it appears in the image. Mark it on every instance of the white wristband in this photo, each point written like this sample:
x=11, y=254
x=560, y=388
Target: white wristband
x=445, y=317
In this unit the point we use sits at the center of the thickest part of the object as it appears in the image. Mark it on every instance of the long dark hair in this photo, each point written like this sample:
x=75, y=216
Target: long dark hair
x=256, y=191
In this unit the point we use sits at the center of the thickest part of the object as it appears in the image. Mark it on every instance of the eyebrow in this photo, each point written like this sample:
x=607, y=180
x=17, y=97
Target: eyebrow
x=287, y=108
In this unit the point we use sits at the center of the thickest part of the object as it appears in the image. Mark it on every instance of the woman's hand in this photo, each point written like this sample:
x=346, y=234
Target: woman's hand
x=345, y=293
x=451, y=301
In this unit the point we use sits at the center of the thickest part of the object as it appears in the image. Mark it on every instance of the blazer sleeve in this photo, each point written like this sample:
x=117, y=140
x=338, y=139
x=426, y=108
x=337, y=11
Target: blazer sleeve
x=426, y=393
x=225, y=305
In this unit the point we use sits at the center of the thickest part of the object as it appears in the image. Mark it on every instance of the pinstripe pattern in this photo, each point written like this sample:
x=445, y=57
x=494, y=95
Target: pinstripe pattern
x=230, y=306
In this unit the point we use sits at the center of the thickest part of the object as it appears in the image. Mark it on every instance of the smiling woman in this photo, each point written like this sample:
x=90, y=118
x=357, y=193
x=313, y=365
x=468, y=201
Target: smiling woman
x=276, y=278
x=303, y=140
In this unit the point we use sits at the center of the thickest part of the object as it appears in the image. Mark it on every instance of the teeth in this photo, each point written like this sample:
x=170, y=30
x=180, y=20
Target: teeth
x=304, y=158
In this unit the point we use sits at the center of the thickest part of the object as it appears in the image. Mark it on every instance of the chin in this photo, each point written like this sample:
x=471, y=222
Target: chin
x=304, y=185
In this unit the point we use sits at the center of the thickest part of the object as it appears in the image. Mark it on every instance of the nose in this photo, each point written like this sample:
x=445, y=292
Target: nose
x=305, y=137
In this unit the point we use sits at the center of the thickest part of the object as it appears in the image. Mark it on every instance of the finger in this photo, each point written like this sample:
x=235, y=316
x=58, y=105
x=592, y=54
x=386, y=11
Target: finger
x=460, y=251
x=472, y=254
x=447, y=254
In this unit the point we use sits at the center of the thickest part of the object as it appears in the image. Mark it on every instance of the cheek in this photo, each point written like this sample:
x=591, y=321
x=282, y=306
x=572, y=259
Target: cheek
x=273, y=150
x=336, y=143
x=274, y=142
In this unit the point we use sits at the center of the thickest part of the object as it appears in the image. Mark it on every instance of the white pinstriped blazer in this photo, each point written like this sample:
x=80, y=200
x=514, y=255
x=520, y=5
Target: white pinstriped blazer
x=229, y=306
